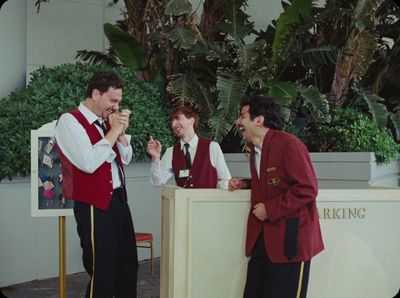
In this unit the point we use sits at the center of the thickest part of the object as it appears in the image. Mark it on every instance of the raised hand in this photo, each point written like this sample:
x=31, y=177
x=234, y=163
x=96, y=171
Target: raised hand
x=154, y=149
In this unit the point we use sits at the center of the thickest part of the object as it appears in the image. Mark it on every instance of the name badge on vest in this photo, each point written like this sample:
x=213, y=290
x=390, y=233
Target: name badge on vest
x=184, y=173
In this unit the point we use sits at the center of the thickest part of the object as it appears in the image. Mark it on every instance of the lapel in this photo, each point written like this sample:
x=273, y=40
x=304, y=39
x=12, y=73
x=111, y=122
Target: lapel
x=266, y=146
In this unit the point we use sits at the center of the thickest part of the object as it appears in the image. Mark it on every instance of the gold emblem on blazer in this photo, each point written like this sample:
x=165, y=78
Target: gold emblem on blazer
x=270, y=169
x=274, y=181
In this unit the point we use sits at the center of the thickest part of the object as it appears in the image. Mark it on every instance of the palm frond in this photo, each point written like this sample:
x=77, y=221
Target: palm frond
x=181, y=37
x=128, y=50
x=262, y=78
x=204, y=98
x=298, y=9
x=182, y=88
x=96, y=57
x=376, y=107
x=364, y=13
x=316, y=103
x=178, y=7
x=219, y=126
x=319, y=56
x=237, y=22
x=248, y=52
x=283, y=92
x=230, y=91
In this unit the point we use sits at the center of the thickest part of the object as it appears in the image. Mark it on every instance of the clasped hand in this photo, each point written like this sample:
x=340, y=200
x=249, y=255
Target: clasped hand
x=120, y=120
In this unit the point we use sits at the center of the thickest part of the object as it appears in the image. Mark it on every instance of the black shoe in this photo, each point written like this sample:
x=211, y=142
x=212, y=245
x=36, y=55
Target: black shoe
x=2, y=295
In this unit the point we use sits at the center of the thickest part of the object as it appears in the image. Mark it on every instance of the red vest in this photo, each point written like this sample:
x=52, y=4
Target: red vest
x=288, y=188
x=96, y=188
x=202, y=174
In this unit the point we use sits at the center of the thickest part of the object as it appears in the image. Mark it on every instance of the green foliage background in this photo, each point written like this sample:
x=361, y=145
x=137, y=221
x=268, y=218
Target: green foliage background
x=53, y=91
x=352, y=131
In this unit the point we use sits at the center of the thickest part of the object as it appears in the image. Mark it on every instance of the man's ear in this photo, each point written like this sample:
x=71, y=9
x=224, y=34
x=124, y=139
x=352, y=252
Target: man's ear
x=260, y=120
x=95, y=93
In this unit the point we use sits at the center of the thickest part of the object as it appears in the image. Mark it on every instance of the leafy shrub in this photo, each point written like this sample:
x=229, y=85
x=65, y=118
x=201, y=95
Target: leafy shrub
x=53, y=91
x=352, y=131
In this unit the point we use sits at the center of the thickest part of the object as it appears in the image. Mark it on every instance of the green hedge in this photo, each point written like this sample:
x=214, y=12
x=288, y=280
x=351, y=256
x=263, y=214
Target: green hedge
x=352, y=131
x=53, y=91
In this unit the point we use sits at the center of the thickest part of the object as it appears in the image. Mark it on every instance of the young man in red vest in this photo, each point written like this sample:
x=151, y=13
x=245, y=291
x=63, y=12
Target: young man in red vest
x=195, y=162
x=93, y=149
x=283, y=231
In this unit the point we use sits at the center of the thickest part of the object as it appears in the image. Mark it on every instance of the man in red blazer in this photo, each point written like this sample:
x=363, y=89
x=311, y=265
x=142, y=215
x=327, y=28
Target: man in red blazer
x=283, y=231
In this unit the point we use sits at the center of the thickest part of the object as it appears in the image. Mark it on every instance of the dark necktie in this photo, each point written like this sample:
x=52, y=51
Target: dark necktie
x=104, y=129
x=102, y=126
x=187, y=156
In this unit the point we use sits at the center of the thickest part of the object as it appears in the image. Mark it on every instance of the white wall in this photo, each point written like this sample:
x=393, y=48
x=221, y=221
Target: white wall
x=12, y=46
x=63, y=27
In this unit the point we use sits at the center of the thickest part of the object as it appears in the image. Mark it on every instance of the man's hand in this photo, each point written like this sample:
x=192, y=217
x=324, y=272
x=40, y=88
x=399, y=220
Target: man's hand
x=124, y=118
x=260, y=212
x=154, y=149
x=236, y=183
x=116, y=122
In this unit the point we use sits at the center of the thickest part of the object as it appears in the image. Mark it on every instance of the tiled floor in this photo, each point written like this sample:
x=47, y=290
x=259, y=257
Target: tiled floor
x=148, y=285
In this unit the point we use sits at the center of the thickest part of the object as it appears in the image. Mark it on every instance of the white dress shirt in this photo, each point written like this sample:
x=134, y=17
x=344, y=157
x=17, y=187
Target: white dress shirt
x=74, y=142
x=257, y=159
x=162, y=171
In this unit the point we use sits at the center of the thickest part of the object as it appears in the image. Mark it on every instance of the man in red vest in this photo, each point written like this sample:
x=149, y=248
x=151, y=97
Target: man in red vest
x=283, y=231
x=195, y=162
x=93, y=149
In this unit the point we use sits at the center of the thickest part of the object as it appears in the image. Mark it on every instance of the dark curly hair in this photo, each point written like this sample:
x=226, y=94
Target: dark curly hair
x=263, y=105
x=102, y=81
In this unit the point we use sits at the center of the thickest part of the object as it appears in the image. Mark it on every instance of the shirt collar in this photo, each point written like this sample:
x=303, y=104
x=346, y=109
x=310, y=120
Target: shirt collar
x=89, y=115
x=258, y=149
x=192, y=143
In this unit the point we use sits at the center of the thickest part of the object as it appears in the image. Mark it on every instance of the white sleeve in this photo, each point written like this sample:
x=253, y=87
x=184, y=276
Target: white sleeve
x=162, y=171
x=125, y=152
x=218, y=162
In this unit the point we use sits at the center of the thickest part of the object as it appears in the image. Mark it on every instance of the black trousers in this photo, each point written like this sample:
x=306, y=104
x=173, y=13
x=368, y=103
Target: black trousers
x=109, y=249
x=274, y=280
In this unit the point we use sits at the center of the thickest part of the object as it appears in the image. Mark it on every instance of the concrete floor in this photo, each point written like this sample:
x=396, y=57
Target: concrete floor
x=148, y=285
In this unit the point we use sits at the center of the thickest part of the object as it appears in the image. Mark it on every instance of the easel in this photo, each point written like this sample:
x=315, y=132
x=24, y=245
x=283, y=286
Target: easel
x=62, y=257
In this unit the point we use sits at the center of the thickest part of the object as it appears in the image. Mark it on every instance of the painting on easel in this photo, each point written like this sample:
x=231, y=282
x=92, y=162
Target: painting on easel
x=46, y=175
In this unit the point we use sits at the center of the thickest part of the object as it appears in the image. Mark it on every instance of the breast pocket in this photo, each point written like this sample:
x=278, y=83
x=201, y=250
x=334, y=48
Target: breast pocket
x=275, y=181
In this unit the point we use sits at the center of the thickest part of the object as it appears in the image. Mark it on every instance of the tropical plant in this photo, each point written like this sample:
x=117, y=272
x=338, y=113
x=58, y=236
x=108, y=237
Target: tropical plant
x=311, y=58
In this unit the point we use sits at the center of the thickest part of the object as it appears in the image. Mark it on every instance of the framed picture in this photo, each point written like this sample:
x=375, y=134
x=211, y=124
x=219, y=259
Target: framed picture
x=46, y=175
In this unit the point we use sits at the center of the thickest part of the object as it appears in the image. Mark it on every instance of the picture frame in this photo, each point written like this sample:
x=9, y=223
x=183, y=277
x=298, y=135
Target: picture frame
x=46, y=175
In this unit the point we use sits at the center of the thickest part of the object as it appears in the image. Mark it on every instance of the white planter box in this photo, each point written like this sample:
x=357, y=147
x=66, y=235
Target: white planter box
x=336, y=169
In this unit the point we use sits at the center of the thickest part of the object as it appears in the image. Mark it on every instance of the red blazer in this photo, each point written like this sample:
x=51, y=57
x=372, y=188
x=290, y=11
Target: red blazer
x=288, y=188
x=202, y=174
x=94, y=189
